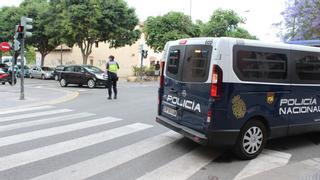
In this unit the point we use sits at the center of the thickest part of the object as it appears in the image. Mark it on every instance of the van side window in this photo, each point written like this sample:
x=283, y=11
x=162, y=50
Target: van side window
x=307, y=66
x=196, y=64
x=263, y=66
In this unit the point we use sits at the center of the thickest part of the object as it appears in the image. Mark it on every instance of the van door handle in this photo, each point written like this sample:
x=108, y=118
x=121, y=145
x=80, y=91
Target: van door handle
x=173, y=91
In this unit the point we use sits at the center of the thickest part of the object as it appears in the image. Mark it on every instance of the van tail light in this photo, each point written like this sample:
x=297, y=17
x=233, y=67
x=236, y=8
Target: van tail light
x=162, y=74
x=209, y=115
x=216, y=82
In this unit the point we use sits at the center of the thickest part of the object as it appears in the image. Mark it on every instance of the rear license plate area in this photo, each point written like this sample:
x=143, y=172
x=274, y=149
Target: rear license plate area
x=169, y=111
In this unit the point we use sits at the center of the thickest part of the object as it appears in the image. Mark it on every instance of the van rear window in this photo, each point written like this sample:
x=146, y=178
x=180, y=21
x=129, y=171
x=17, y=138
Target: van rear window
x=173, y=61
x=189, y=63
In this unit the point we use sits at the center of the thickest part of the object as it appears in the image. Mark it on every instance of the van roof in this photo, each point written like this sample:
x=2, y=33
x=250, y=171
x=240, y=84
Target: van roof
x=235, y=41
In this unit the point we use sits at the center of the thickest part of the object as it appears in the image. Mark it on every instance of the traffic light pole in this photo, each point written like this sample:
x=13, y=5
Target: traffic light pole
x=12, y=69
x=22, y=70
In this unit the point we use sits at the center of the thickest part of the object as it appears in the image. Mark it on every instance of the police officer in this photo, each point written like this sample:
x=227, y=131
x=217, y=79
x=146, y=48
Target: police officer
x=112, y=69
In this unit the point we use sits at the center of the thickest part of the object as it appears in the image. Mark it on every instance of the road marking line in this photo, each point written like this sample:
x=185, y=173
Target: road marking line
x=23, y=158
x=266, y=161
x=25, y=109
x=44, y=121
x=112, y=159
x=32, y=115
x=183, y=167
x=8, y=140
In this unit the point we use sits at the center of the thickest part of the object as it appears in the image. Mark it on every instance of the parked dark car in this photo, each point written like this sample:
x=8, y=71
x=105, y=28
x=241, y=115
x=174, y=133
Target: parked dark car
x=57, y=71
x=83, y=75
x=6, y=77
x=17, y=70
x=4, y=67
x=26, y=71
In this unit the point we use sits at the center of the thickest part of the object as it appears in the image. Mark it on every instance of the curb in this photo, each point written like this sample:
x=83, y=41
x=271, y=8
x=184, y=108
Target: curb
x=70, y=96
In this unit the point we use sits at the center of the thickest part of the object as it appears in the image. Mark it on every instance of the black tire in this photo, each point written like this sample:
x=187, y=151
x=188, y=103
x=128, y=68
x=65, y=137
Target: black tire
x=249, y=146
x=63, y=83
x=3, y=83
x=14, y=82
x=91, y=83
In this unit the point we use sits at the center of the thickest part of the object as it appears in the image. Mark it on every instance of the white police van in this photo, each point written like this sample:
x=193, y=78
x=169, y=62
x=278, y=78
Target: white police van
x=237, y=92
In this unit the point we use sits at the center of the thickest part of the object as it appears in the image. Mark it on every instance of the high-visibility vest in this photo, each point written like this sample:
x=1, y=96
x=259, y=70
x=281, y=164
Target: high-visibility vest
x=113, y=66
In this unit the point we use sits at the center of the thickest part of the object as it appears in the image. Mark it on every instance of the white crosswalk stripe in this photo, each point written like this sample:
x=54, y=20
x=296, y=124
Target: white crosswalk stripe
x=26, y=157
x=183, y=167
x=107, y=161
x=44, y=121
x=180, y=167
x=8, y=140
x=32, y=115
x=267, y=160
x=18, y=110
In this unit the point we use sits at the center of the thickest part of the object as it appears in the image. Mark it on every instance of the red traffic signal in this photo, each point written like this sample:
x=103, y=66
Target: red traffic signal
x=20, y=29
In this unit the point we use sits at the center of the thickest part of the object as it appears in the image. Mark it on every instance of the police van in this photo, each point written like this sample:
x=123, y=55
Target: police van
x=239, y=93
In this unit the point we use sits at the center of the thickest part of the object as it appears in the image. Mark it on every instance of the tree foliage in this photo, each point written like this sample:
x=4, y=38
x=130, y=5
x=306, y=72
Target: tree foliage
x=174, y=25
x=301, y=20
x=43, y=40
x=85, y=23
x=225, y=23
x=36, y=9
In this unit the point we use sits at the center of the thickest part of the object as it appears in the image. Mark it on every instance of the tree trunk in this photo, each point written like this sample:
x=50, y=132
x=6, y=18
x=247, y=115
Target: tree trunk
x=85, y=59
x=43, y=55
x=86, y=50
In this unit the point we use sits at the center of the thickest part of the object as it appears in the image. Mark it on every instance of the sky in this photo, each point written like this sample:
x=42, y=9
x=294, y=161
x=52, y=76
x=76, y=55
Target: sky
x=260, y=15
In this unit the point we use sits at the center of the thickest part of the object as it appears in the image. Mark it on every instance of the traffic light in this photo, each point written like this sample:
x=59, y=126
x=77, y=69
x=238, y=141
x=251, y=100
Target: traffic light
x=26, y=26
x=145, y=53
x=19, y=32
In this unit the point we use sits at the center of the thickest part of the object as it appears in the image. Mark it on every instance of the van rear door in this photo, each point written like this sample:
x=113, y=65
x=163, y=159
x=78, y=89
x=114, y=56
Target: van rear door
x=186, y=88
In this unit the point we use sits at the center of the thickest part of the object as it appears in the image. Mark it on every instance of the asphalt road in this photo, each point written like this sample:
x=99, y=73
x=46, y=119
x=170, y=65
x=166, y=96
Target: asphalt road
x=92, y=137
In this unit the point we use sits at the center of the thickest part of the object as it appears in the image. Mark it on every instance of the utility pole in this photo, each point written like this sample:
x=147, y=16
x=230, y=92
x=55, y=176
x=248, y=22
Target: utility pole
x=191, y=10
x=61, y=54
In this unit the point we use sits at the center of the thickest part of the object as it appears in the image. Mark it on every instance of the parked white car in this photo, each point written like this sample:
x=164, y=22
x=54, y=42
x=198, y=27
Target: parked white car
x=41, y=72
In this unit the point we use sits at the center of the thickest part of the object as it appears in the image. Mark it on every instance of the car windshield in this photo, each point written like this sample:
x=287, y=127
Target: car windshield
x=47, y=69
x=25, y=67
x=2, y=70
x=93, y=69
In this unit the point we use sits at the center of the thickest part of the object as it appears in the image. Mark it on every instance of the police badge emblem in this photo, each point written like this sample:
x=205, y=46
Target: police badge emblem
x=239, y=108
x=270, y=97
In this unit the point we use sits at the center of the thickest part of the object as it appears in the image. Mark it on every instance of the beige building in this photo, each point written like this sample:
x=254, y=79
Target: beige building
x=127, y=56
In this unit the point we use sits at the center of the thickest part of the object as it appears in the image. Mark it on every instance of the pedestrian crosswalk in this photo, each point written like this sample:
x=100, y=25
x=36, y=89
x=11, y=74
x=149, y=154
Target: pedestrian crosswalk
x=78, y=132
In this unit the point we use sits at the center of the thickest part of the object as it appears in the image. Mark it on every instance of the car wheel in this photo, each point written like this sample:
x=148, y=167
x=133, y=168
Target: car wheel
x=56, y=77
x=43, y=77
x=14, y=82
x=251, y=140
x=91, y=83
x=63, y=83
x=3, y=83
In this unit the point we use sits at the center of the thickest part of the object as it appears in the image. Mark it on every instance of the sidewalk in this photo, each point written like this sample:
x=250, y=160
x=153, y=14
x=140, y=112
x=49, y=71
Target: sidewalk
x=34, y=96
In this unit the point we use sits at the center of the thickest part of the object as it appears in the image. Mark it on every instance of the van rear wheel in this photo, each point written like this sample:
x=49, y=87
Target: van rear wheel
x=251, y=140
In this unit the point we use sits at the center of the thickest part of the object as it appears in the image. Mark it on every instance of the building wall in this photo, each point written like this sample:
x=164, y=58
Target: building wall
x=127, y=57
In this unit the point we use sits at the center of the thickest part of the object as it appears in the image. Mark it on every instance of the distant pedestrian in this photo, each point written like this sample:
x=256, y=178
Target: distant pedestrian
x=156, y=70
x=112, y=69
